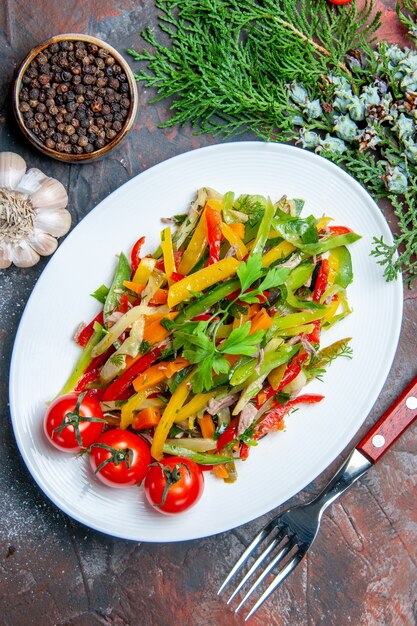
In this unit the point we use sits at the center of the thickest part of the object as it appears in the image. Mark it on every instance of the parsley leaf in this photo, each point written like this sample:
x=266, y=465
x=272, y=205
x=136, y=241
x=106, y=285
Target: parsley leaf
x=203, y=378
x=220, y=364
x=250, y=298
x=241, y=342
x=274, y=278
x=249, y=271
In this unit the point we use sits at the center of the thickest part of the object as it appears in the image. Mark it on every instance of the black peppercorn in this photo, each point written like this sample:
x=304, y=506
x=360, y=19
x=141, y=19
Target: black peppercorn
x=75, y=97
x=44, y=79
x=88, y=79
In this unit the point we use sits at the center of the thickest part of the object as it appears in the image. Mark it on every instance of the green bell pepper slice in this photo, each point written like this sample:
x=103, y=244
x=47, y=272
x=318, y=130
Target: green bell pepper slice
x=202, y=458
x=113, y=297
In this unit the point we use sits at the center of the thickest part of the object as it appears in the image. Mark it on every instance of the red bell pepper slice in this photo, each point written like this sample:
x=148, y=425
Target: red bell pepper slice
x=97, y=394
x=177, y=259
x=87, y=377
x=204, y=317
x=314, y=336
x=271, y=420
x=135, y=255
x=214, y=233
x=292, y=371
x=244, y=451
x=228, y=435
x=339, y=230
x=175, y=276
x=115, y=390
x=321, y=282
x=87, y=332
x=123, y=303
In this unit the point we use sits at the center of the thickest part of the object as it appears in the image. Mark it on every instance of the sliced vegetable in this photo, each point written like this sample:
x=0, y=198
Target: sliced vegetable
x=116, y=288
x=168, y=252
x=201, y=280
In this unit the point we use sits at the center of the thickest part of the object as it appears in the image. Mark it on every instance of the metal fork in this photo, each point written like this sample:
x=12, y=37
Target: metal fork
x=291, y=533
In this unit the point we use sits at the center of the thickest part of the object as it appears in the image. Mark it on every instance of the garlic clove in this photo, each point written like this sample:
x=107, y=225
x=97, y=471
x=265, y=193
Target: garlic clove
x=31, y=181
x=50, y=195
x=42, y=243
x=22, y=255
x=54, y=222
x=5, y=260
x=12, y=168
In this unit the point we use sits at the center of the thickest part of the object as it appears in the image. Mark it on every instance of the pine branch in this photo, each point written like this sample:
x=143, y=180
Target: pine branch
x=294, y=70
x=409, y=18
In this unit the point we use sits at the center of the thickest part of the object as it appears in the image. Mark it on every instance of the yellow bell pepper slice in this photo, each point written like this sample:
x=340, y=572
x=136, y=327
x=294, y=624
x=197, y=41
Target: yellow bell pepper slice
x=167, y=251
x=280, y=251
x=202, y=279
x=334, y=266
x=196, y=247
x=277, y=374
x=322, y=222
x=238, y=229
x=194, y=406
x=131, y=407
x=234, y=240
x=215, y=203
x=171, y=411
x=145, y=269
x=332, y=309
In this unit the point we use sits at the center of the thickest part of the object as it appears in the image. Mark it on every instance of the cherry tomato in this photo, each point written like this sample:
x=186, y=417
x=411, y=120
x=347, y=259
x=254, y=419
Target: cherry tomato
x=174, y=485
x=120, y=458
x=340, y=1
x=74, y=422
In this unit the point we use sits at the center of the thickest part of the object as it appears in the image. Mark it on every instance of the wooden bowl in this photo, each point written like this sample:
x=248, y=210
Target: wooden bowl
x=133, y=95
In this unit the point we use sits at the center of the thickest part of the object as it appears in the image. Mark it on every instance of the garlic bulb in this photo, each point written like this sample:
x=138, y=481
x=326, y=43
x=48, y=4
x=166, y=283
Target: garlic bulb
x=32, y=212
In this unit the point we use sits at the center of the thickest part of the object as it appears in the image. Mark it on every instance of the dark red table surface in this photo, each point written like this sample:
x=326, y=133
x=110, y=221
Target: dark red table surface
x=362, y=569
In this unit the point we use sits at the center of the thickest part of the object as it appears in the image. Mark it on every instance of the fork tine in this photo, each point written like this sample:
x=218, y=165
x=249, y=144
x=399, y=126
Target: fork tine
x=279, y=578
x=275, y=541
x=246, y=554
x=277, y=559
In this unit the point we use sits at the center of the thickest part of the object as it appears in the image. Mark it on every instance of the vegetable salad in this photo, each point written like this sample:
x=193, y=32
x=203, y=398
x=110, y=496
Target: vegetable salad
x=204, y=346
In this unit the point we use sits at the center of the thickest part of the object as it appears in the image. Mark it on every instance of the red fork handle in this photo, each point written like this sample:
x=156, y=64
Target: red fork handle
x=391, y=425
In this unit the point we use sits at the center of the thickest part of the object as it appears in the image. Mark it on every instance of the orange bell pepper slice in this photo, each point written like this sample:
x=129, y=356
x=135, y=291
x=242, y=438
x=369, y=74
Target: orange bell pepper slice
x=154, y=332
x=261, y=321
x=146, y=418
x=207, y=427
x=158, y=373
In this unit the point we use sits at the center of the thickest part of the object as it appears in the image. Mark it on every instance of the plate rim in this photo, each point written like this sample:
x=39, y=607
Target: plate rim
x=160, y=166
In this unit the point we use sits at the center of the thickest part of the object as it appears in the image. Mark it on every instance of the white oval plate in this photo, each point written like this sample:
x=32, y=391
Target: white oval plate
x=284, y=462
